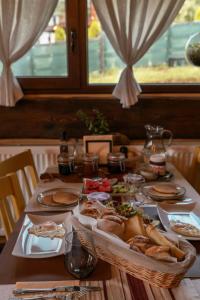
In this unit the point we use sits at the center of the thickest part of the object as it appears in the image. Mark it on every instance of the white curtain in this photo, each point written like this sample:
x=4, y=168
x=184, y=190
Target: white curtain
x=132, y=26
x=21, y=24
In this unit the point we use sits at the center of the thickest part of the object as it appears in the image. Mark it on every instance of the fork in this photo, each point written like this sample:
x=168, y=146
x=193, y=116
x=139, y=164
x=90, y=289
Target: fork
x=77, y=294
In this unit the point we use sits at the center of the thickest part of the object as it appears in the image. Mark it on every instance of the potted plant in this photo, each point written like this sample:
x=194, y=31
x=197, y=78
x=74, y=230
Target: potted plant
x=99, y=141
x=95, y=122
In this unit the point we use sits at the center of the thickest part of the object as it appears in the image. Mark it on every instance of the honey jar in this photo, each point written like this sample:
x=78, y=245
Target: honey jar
x=90, y=165
x=116, y=162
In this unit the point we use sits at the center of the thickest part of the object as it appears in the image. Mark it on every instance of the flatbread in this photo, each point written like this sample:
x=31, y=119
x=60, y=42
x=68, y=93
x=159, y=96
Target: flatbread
x=185, y=229
x=65, y=198
x=166, y=188
x=48, y=230
x=48, y=200
x=158, y=194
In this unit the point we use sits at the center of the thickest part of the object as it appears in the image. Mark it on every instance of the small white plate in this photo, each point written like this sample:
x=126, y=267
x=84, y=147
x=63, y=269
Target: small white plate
x=31, y=246
x=184, y=216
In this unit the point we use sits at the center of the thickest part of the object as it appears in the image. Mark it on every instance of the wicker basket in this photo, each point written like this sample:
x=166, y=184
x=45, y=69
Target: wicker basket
x=137, y=264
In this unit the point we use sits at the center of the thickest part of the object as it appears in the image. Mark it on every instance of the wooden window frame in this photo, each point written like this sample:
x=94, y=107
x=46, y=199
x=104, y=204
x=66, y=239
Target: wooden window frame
x=77, y=80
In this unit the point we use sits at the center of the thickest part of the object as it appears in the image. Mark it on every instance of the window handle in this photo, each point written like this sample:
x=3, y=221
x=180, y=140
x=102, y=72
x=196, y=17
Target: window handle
x=73, y=40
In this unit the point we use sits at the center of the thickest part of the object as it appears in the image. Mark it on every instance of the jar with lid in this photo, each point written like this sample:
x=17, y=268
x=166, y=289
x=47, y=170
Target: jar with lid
x=116, y=162
x=65, y=163
x=157, y=163
x=90, y=165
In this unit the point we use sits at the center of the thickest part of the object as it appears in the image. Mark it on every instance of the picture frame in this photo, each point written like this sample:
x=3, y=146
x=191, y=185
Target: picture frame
x=99, y=144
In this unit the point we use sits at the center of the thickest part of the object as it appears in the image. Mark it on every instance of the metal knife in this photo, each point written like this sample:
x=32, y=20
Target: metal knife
x=75, y=288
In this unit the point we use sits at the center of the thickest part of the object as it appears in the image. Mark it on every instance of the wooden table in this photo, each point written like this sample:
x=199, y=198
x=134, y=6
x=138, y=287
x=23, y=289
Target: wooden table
x=121, y=286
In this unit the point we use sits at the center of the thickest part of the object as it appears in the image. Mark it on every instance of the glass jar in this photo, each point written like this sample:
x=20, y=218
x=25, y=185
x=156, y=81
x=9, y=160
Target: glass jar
x=65, y=163
x=116, y=162
x=157, y=163
x=90, y=165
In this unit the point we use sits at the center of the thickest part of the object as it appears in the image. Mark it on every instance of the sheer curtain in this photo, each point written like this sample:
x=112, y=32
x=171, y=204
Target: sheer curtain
x=132, y=26
x=21, y=24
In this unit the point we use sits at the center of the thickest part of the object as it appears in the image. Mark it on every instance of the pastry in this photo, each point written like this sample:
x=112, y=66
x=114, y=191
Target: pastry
x=185, y=229
x=160, y=253
x=156, y=236
x=134, y=226
x=48, y=229
x=65, y=198
x=142, y=243
x=111, y=224
x=90, y=209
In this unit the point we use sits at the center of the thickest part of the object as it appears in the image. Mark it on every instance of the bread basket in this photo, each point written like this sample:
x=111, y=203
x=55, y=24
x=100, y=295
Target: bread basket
x=117, y=253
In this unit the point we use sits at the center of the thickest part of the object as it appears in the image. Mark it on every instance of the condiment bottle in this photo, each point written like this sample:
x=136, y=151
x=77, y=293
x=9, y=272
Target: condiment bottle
x=157, y=163
x=65, y=159
x=63, y=143
x=116, y=162
x=90, y=165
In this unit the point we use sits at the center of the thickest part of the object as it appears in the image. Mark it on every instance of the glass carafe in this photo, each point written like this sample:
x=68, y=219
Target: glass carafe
x=157, y=139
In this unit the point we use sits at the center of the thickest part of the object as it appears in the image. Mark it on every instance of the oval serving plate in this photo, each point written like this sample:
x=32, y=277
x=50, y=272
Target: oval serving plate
x=148, y=190
x=45, y=198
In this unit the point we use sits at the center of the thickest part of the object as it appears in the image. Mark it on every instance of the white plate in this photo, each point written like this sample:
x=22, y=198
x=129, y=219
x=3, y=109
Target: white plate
x=183, y=216
x=31, y=246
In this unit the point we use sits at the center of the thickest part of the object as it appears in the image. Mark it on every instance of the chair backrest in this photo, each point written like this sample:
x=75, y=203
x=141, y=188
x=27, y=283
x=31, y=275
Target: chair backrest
x=11, y=202
x=25, y=163
x=195, y=170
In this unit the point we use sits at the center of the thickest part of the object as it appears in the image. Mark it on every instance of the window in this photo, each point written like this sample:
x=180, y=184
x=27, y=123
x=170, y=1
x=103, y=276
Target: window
x=53, y=62
x=164, y=62
x=74, y=54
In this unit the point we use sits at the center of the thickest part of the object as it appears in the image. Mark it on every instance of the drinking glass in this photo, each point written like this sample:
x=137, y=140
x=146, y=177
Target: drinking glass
x=80, y=255
x=133, y=183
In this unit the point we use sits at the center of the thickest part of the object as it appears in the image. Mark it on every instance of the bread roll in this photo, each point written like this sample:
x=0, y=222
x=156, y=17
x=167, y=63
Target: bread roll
x=134, y=226
x=140, y=242
x=155, y=235
x=113, y=218
x=111, y=227
x=160, y=253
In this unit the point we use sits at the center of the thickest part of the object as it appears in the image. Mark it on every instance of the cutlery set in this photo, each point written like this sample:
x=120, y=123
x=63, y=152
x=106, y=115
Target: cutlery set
x=74, y=291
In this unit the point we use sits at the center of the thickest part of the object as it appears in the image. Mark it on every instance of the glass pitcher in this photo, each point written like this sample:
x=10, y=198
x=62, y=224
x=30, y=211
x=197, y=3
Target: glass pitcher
x=157, y=139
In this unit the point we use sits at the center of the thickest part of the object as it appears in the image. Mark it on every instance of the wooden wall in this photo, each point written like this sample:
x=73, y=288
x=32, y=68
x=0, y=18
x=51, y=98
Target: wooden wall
x=46, y=118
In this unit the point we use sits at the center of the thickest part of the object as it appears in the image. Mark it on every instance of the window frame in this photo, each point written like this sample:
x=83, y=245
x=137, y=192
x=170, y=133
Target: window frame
x=77, y=81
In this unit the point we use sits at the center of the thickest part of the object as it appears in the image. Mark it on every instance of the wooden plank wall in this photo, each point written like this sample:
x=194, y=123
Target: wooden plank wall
x=46, y=118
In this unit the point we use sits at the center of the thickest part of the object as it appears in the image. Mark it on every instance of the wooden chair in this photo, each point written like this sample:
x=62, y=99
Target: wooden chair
x=194, y=176
x=24, y=162
x=11, y=202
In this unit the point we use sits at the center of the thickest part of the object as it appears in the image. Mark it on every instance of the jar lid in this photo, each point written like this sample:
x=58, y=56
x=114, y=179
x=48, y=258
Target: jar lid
x=88, y=157
x=158, y=158
x=116, y=156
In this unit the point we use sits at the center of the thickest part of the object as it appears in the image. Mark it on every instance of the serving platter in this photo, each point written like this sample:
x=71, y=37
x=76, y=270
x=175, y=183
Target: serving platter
x=31, y=246
x=150, y=192
x=185, y=216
